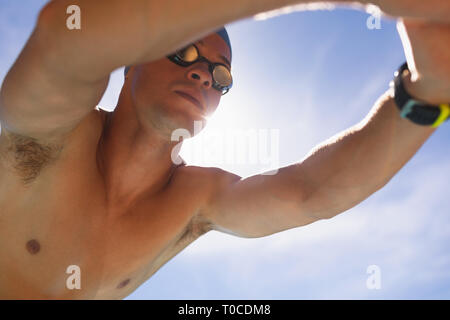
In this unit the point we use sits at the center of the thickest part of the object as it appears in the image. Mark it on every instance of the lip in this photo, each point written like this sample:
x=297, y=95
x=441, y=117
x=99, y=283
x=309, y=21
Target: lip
x=190, y=97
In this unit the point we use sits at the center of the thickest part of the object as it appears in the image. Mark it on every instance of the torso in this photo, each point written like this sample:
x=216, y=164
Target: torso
x=61, y=220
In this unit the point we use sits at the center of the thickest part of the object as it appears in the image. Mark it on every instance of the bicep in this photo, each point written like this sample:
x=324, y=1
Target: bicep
x=257, y=206
x=39, y=98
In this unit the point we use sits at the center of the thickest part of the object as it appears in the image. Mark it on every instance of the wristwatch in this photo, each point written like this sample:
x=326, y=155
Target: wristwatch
x=417, y=111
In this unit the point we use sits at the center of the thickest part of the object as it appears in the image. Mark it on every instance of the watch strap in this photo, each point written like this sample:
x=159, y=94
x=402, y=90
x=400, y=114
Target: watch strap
x=417, y=111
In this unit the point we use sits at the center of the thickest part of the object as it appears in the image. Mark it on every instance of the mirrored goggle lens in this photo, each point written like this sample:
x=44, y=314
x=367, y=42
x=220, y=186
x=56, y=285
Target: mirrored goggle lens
x=222, y=76
x=188, y=54
x=220, y=73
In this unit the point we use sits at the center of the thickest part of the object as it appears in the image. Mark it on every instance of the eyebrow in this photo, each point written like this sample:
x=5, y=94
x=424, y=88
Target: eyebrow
x=223, y=58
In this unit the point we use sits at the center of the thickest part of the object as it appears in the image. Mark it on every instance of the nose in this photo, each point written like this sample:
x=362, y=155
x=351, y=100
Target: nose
x=201, y=73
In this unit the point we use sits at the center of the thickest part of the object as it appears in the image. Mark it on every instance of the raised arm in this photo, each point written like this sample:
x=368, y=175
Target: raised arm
x=345, y=169
x=61, y=74
x=335, y=176
x=116, y=33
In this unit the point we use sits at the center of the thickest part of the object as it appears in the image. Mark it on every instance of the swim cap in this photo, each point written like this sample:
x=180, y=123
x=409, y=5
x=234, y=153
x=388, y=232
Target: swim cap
x=224, y=35
x=221, y=32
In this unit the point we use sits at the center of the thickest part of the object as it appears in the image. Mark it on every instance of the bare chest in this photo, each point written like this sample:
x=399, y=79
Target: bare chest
x=63, y=245
x=58, y=240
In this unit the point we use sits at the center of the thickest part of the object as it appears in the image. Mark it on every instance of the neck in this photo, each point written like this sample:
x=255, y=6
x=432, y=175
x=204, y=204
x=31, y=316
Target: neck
x=136, y=163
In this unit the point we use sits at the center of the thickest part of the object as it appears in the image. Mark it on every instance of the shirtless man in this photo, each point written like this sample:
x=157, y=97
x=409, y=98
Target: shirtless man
x=83, y=187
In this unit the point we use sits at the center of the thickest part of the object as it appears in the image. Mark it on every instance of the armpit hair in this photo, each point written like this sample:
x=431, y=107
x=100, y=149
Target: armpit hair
x=197, y=227
x=28, y=156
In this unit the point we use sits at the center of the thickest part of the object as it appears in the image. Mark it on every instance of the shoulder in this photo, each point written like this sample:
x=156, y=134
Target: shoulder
x=207, y=179
x=196, y=185
x=203, y=185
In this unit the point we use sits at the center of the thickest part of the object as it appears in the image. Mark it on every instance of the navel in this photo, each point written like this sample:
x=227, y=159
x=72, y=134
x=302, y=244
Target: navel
x=123, y=284
x=33, y=246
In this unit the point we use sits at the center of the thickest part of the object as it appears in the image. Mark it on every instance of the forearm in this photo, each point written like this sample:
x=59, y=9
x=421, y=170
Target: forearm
x=115, y=33
x=179, y=22
x=349, y=167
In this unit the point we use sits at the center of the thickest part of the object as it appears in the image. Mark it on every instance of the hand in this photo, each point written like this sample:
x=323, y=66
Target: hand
x=427, y=51
x=429, y=10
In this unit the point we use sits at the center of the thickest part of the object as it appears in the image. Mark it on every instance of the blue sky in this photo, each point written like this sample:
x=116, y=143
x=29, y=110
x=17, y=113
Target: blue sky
x=308, y=75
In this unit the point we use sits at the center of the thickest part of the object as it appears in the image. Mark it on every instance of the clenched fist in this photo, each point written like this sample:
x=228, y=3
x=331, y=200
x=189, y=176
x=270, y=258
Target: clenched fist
x=427, y=50
x=430, y=10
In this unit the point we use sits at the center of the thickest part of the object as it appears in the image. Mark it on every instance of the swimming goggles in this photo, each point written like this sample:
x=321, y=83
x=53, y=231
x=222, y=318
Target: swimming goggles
x=221, y=75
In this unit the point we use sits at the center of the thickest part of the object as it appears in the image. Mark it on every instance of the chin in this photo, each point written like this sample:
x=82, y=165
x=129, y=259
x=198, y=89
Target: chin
x=186, y=116
x=192, y=124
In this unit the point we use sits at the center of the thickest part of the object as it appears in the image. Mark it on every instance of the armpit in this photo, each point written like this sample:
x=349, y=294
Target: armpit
x=27, y=156
x=197, y=227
